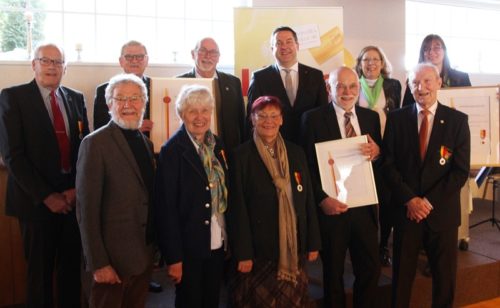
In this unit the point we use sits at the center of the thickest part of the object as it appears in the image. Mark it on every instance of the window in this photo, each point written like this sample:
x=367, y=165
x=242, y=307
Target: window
x=95, y=30
x=468, y=27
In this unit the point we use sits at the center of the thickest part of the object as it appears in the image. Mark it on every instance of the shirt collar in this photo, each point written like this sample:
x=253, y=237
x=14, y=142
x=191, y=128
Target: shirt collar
x=431, y=109
x=199, y=76
x=340, y=111
x=294, y=67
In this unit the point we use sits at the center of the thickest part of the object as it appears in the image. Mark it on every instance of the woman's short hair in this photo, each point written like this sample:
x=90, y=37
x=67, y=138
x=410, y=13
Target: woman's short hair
x=386, y=64
x=124, y=79
x=264, y=101
x=193, y=95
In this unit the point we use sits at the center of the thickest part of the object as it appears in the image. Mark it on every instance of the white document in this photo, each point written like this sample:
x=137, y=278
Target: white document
x=346, y=174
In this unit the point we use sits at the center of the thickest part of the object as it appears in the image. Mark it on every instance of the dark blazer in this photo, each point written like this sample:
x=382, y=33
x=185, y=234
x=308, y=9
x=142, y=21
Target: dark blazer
x=30, y=150
x=410, y=177
x=392, y=93
x=311, y=93
x=231, y=117
x=321, y=124
x=454, y=78
x=182, y=208
x=101, y=110
x=113, y=203
x=252, y=218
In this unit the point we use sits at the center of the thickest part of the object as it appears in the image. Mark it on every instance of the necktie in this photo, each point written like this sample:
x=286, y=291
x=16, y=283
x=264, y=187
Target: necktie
x=62, y=137
x=289, y=86
x=349, y=129
x=424, y=128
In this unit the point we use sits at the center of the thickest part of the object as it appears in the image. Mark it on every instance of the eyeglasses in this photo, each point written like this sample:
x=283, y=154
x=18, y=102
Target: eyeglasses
x=433, y=48
x=372, y=60
x=212, y=53
x=46, y=61
x=138, y=57
x=135, y=99
x=343, y=87
x=264, y=117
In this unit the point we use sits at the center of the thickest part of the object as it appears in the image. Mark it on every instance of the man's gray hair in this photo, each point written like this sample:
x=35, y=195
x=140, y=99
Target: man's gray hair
x=48, y=44
x=124, y=79
x=132, y=43
x=420, y=67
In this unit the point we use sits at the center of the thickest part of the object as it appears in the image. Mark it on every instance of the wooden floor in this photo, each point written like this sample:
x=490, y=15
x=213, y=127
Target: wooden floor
x=492, y=303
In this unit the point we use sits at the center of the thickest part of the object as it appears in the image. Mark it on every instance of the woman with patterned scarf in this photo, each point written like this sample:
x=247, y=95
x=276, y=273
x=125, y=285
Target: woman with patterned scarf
x=190, y=201
x=272, y=222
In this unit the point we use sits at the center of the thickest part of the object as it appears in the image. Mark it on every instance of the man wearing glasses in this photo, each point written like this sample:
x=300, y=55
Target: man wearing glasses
x=229, y=105
x=133, y=60
x=299, y=87
x=41, y=126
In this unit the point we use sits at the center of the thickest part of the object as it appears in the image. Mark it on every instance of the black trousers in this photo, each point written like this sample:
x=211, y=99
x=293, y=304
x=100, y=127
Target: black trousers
x=52, y=246
x=441, y=250
x=355, y=230
x=201, y=281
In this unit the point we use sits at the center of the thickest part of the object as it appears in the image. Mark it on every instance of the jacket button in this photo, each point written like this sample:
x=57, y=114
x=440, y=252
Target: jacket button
x=207, y=205
x=207, y=188
x=207, y=222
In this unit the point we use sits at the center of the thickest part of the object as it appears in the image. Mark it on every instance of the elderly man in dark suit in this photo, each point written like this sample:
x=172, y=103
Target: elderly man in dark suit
x=343, y=228
x=299, y=87
x=41, y=127
x=229, y=104
x=133, y=60
x=115, y=186
x=427, y=149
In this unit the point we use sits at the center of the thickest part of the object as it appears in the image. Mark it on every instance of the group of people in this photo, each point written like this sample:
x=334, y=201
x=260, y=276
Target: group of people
x=245, y=206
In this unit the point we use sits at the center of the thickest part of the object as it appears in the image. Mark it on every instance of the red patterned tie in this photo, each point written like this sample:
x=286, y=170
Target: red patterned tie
x=424, y=128
x=60, y=129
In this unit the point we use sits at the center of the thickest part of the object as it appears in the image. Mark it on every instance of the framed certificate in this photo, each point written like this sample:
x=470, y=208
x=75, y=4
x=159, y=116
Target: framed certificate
x=164, y=92
x=346, y=174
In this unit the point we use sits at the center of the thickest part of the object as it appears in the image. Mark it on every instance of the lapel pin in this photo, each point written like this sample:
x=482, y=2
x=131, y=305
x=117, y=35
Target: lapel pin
x=441, y=121
x=298, y=179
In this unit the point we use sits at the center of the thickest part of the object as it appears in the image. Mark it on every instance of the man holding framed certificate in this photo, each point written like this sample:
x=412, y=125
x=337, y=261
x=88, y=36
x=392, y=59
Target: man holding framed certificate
x=343, y=227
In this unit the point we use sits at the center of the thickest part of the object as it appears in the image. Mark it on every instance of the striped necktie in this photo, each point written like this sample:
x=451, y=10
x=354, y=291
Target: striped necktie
x=349, y=129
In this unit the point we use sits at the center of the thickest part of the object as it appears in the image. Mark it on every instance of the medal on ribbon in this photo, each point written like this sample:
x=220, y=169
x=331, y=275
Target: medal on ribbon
x=445, y=155
x=223, y=154
x=80, y=129
x=298, y=180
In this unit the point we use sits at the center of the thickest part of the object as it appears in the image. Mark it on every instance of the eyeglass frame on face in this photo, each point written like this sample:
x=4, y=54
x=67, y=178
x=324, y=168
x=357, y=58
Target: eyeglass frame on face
x=44, y=61
x=264, y=117
x=342, y=87
x=134, y=100
x=371, y=60
x=137, y=57
x=212, y=53
x=436, y=49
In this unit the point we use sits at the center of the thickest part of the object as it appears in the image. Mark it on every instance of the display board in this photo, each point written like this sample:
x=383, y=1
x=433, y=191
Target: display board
x=482, y=107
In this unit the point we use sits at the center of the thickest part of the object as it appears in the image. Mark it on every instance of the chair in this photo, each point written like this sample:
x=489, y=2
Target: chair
x=495, y=181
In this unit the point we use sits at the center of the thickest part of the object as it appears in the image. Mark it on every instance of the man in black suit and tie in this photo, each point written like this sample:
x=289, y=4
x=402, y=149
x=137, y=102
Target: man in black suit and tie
x=229, y=104
x=427, y=161
x=133, y=60
x=41, y=126
x=343, y=228
x=299, y=87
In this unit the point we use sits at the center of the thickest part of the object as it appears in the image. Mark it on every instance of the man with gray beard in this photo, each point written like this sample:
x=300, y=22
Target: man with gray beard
x=115, y=179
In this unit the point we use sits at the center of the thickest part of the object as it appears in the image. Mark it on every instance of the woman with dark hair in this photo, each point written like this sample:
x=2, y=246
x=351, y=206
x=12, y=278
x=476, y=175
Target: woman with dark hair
x=382, y=94
x=272, y=226
x=433, y=50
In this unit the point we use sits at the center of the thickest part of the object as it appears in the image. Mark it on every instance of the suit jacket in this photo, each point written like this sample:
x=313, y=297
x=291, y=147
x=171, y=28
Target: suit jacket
x=454, y=78
x=321, y=124
x=438, y=180
x=252, y=218
x=183, y=209
x=231, y=116
x=311, y=93
x=113, y=203
x=392, y=93
x=101, y=110
x=29, y=147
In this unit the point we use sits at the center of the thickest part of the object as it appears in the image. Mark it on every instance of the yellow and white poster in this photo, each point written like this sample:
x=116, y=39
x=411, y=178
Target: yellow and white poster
x=319, y=30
